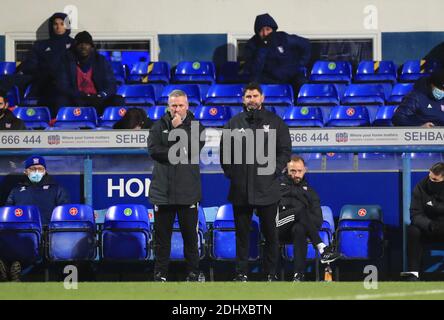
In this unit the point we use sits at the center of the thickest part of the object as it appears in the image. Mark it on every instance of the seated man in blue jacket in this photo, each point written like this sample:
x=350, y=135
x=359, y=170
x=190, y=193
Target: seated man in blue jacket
x=86, y=78
x=275, y=56
x=424, y=106
x=40, y=190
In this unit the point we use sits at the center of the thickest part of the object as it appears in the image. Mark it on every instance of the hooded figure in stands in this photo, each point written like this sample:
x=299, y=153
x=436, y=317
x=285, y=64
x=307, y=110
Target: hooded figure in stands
x=43, y=60
x=273, y=56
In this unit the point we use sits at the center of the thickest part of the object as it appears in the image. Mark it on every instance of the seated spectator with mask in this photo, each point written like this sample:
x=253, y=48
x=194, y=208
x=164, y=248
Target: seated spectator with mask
x=424, y=106
x=8, y=121
x=86, y=78
x=38, y=189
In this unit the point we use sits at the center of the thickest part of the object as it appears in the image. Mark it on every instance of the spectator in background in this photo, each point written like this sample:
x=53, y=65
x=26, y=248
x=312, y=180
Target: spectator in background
x=427, y=218
x=424, y=106
x=300, y=216
x=275, y=56
x=8, y=121
x=134, y=118
x=86, y=78
x=40, y=190
x=44, y=59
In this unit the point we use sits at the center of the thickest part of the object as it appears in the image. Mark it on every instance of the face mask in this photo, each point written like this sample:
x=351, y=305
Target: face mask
x=435, y=187
x=35, y=176
x=437, y=93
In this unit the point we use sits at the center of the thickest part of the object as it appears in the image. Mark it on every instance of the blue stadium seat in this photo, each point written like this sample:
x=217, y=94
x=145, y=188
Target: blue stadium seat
x=376, y=156
x=76, y=118
x=412, y=70
x=326, y=233
x=360, y=233
x=223, y=242
x=20, y=234
x=111, y=115
x=13, y=96
x=177, y=253
x=192, y=91
x=119, y=72
x=230, y=72
x=34, y=117
x=331, y=71
x=195, y=72
x=384, y=116
x=318, y=94
x=138, y=94
x=126, y=234
x=212, y=116
x=224, y=94
x=30, y=97
x=150, y=72
x=72, y=233
x=7, y=68
x=376, y=71
x=348, y=116
x=303, y=117
x=156, y=112
x=278, y=94
x=130, y=58
x=398, y=92
x=367, y=94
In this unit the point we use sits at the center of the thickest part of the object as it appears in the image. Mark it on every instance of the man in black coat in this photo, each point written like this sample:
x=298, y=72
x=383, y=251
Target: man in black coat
x=254, y=149
x=174, y=144
x=427, y=218
x=43, y=61
x=8, y=121
x=86, y=78
x=300, y=216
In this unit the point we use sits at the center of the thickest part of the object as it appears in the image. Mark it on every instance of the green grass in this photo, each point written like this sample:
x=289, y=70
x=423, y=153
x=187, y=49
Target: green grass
x=222, y=290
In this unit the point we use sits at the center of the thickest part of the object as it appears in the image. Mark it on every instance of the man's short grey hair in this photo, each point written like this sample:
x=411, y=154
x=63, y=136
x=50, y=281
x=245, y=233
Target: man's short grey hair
x=177, y=93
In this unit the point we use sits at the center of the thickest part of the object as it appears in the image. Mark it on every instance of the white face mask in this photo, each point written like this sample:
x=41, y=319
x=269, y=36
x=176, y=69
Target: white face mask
x=438, y=93
x=36, y=176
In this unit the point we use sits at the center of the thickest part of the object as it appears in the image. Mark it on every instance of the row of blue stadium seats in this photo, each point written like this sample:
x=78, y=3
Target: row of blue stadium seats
x=126, y=234
x=212, y=116
x=231, y=94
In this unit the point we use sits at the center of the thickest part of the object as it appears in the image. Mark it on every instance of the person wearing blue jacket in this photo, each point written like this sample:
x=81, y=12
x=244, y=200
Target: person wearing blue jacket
x=40, y=190
x=424, y=105
x=86, y=78
x=43, y=60
x=273, y=56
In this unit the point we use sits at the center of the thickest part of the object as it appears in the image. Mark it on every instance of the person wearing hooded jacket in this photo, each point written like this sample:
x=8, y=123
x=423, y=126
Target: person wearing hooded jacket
x=252, y=186
x=86, y=78
x=273, y=56
x=424, y=105
x=45, y=57
x=175, y=185
x=427, y=218
x=8, y=121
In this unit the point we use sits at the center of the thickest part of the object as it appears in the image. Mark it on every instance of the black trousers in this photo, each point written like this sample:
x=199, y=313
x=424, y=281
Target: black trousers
x=267, y=219
x=163, y=227
x=416, y=239
x=297, y=232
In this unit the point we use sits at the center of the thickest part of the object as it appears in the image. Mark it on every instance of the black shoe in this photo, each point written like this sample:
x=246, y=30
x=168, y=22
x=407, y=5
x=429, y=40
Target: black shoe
x=16, y=270
x=329, y=255
x=408, y=276
x=240, y=277
x=271, y=278
x=159, y=277
x=3, y=272
x=298, y=277
x=195, y=277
